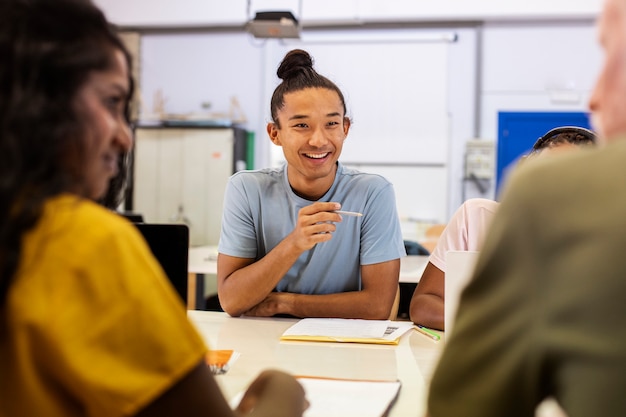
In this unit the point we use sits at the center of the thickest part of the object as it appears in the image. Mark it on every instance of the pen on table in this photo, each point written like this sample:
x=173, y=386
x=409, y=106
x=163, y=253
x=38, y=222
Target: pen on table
x=427, y=332
x=348, y=213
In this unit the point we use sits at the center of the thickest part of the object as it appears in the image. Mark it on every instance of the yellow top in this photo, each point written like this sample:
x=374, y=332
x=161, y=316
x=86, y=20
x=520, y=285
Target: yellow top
x=92, y=326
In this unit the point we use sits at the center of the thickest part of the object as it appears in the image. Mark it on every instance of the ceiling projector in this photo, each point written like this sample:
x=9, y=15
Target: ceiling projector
x=274, y=25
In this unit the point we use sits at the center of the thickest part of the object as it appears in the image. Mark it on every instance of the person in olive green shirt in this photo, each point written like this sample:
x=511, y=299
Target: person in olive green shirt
x=543, y=314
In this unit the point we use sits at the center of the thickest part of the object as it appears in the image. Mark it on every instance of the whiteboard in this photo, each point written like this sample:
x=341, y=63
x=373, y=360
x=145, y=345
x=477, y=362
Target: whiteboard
x=396, y=94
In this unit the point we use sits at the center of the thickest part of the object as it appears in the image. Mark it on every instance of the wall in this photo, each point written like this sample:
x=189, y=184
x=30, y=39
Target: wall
x=536, y=67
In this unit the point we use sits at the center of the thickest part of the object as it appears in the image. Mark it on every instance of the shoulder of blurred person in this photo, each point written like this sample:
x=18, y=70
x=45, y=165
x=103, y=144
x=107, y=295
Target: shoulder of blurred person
x=549, y=281
x=466, y=229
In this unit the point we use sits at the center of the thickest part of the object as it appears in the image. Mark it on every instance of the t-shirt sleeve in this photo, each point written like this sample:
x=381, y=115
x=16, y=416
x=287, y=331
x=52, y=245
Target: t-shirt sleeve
x=124, y=338
x=466, y=230
x=451, y=239
x=381, y=238
x=238, y=236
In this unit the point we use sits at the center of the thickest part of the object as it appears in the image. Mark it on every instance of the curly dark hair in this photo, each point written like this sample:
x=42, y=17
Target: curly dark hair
x=296, y=71
x=48, y=48
x=564, y=134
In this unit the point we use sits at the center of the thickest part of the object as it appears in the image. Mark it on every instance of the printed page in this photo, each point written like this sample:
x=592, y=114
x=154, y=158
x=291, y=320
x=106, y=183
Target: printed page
x=338, y=328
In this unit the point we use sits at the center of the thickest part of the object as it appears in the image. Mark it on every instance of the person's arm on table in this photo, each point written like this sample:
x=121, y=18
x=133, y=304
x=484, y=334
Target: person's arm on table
x=374, y=301
x=271, y=394
x=243, y=283
x=427, y=303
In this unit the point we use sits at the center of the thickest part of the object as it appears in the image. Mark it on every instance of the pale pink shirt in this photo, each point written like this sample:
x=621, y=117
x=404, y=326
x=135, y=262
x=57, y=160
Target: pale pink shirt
x=466, y=230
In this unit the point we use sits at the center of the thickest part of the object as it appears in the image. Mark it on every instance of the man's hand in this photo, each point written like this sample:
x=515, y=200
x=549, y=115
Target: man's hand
x=273, y=393
x=271, y=305
x=315, y=224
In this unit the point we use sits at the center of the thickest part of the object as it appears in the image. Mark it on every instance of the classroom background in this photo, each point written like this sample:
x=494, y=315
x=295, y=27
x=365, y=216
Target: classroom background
x=443, y=94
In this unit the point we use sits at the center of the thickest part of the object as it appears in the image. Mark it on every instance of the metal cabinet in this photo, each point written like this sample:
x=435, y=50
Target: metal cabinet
x=179, y=175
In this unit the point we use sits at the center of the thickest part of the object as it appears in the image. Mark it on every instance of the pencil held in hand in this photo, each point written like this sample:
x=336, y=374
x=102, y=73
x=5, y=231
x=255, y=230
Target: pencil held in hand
x=348, y=213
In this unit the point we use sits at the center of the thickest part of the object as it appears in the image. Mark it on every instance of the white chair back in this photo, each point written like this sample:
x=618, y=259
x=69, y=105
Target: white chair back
x=459, y=269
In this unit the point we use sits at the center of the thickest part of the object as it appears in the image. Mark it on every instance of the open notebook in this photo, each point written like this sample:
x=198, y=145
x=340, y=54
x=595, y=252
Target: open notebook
x=384, y=332
x=459, y=269
x=333, y=397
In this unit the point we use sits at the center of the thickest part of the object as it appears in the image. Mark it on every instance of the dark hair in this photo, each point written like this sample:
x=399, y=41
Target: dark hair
x=564, y=134
x=48, y=48
x=296, y=71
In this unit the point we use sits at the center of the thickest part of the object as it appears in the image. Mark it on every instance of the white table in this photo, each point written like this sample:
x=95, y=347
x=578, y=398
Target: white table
x=203, y=260
x=258, y=342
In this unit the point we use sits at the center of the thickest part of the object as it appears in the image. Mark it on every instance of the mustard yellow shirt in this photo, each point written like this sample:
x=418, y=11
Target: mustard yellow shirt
x=92, y=326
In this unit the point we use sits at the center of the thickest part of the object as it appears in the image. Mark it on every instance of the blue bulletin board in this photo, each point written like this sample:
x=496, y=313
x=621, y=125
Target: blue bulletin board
x=518, y=131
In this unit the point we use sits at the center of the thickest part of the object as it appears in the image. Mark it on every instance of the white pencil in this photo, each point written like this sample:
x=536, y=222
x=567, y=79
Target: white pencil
x=349, y=213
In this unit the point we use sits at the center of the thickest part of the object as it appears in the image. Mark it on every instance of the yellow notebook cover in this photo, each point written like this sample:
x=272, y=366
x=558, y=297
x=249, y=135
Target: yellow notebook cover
x=385, y=332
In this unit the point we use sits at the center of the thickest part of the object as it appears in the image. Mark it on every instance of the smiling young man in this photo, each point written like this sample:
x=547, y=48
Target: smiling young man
x=283, y=248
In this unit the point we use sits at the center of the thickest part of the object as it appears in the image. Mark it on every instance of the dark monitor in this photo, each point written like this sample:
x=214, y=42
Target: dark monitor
x=170, y=245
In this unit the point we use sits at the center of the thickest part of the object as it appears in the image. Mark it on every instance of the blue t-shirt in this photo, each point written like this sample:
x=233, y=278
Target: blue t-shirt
x=260, y=210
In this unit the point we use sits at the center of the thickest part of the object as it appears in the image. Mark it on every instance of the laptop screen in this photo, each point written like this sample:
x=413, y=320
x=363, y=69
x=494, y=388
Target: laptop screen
x=170, y=245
